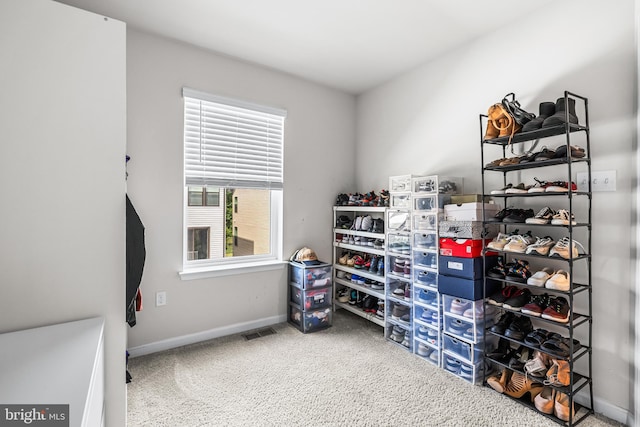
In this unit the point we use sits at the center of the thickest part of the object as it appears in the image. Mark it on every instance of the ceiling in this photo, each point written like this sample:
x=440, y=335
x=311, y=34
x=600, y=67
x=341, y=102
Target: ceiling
x=351, y=45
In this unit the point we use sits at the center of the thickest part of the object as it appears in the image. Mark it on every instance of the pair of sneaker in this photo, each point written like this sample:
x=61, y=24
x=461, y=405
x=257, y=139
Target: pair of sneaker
x=517, y=271
x=558, y=280
x=547, y=215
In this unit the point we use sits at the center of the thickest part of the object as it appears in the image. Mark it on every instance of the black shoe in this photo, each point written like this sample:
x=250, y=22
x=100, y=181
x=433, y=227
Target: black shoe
x=503, y=323
x=500, y=215
x=519, y=215
x=518, y=300
x=558, y=118
x=546, y=109
x=519, y=328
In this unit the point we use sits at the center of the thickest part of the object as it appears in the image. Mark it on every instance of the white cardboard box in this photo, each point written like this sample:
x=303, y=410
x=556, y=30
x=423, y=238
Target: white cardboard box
x=469, y=211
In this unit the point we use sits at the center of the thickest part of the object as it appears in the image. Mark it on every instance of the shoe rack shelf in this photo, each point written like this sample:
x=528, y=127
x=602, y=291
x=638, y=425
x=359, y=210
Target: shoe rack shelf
x=580, y=322
x=342, y=273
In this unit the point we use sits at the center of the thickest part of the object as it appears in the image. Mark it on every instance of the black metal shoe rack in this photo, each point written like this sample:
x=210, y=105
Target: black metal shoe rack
x=579, y=295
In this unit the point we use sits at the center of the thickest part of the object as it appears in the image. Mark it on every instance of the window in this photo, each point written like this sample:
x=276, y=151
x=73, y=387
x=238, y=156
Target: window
x=203, y=196
x=233, y=154
x=198, y=243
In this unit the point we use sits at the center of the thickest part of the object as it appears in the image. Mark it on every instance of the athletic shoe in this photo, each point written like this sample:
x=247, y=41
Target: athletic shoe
x=380, y=311
x=399, y=312
x=561, y=249
x=426, y=296
x=340, y=274
x=380, y=271
x=560, y=281
x=518, y=215
x=562, y=218
x=539, y=278
x=517, y=189
x=377, y=285
x=366, y=223
x=558, y=310
x=459, y=306
x=407, y=292
x=518, y=300
x=397, y=334
x=343, y=259
x=539, y=186
x=541, y=246
x=357, y=223
x=500, y=215
x=536, y=305
x=542, y=217
x=407, y=269
x=502, y=295
x=423, y=332
x=498, y=242
x=435, y=356
x=502, y=190
x=354, y=297
x=424, y=350
x=343, y=295
x=378, y=244
x=561, y=186
x=406, y=341
x=399, y=292
x=398, y=267
x=426, y=278
x=518, y=243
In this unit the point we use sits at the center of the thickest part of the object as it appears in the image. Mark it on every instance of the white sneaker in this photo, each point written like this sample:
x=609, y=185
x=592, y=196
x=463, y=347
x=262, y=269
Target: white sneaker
x=561, y=249
x=541, y=246
x=518, y=243
x=502, y=190
x=562, y=218
x=559, y=281
x=498, y=242
x=540, y=277
x=542, y=217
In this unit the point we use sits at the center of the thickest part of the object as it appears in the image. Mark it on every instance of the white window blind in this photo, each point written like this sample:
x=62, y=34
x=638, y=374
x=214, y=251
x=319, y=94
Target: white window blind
x=230, y=143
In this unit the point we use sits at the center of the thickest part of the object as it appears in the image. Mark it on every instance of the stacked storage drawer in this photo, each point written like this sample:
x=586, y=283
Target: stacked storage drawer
x=398, y=297
x=460, y=282
x=429, y=194
x=310, y=293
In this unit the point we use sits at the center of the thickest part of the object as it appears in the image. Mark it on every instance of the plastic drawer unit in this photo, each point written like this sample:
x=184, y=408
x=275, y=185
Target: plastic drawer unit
x=309, y=321
x=310, y=276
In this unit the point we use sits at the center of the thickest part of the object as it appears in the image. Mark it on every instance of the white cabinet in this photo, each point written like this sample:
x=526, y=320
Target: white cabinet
x=58, y=364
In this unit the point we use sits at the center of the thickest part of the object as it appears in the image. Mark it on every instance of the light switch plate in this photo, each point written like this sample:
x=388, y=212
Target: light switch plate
x=600, y=181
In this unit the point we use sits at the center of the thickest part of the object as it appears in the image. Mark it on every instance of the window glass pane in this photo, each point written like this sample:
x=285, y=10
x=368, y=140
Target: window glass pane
x=212, y=197
x=195, y=196
x=252, y=223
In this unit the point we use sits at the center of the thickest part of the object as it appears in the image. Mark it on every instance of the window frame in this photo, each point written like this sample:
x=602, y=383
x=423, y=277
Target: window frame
x=194, y=269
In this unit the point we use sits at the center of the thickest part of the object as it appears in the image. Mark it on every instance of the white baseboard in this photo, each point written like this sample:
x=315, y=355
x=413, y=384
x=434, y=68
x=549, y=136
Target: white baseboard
x=170, y=343
x=607, y=409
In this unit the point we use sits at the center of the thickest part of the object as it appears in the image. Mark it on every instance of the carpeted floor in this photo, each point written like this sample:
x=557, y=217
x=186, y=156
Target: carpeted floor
x=346, y=375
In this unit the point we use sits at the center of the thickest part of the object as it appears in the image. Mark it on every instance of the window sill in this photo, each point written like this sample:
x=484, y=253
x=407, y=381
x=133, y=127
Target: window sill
x=230, y=270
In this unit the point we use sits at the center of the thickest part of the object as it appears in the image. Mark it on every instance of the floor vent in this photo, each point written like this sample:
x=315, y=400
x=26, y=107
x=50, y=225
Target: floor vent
x=257, y=334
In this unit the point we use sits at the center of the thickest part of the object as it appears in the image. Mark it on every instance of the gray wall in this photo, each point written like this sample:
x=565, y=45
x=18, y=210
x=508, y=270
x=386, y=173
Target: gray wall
x=426, y=121
x=62, y=175
x=319, y=158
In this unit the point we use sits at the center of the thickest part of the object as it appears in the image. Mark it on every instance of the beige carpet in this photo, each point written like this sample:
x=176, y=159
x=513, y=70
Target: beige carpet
x=347, y=375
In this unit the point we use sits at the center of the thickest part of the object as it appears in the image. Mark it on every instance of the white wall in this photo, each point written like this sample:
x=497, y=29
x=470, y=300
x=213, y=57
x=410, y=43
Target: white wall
x=62, y=170
x=426, y=121
x=319, y=158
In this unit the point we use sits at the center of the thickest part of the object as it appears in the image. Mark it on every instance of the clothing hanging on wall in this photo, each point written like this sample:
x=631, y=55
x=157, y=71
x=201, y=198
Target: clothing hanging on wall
x=136, y=254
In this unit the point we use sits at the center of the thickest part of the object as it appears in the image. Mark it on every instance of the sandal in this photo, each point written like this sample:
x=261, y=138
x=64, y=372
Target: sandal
x=537, y=337
x=559, y=347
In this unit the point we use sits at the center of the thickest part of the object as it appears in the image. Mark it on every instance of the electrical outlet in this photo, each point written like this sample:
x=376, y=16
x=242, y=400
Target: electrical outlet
x=161, y=298
x=600, y=181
